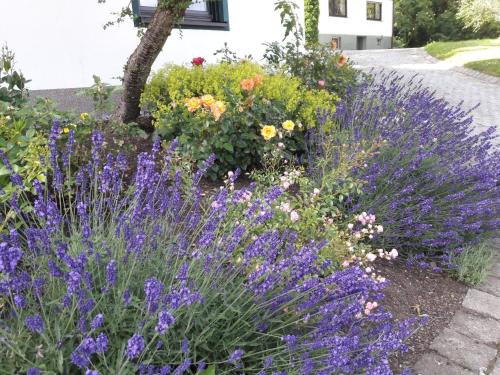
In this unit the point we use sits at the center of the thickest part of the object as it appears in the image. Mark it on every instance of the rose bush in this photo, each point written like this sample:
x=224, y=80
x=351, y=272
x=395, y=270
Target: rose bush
x=227, y=108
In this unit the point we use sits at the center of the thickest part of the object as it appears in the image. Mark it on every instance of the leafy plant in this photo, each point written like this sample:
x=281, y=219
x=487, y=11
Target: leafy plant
x=311, y=16
x=156, y=278
x=101, y=95
x=12, y=83
x=247, y=99
x=472, y=263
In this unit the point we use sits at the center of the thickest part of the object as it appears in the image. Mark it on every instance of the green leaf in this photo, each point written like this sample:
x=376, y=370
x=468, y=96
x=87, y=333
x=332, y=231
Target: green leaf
x=210, y=370
x=229, y=147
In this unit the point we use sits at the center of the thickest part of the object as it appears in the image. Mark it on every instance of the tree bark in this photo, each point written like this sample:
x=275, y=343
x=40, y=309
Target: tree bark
x=140, y=62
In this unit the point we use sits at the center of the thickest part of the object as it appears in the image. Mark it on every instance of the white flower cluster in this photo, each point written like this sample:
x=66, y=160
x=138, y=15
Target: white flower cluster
x=285, y=207
x=359, y=254
x=369, y=228
x=289, y=178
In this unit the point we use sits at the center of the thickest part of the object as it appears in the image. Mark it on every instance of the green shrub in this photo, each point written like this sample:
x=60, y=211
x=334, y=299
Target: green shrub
x=471, y=265
x=12, y=82
x=223, y=108
x=315, y=65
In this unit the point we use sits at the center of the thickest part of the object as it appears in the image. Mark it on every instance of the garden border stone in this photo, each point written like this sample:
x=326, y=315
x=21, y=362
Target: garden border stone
x=471, y=343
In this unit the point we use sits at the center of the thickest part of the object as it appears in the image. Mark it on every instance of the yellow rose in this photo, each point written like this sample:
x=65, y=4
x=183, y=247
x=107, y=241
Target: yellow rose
x=268, y=132
x=193, y=104
x=207, y=100
x=218, y=108
x=288, y=125
x=84, y=116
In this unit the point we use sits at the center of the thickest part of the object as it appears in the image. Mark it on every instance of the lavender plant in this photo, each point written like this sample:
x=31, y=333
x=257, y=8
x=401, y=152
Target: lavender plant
x=152, y=278
x=435, y=184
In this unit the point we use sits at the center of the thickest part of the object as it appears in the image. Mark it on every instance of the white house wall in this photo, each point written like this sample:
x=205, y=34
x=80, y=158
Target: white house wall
x=61, y=43
x=356, y=23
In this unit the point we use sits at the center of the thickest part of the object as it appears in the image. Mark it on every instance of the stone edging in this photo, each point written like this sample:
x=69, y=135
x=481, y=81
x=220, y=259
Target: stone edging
x=471, y=343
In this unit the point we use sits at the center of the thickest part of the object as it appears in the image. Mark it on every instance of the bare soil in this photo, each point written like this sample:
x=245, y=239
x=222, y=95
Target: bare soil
x=415, y=291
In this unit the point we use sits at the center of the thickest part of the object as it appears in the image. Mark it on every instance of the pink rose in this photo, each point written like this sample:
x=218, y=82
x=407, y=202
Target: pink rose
x=198, y=61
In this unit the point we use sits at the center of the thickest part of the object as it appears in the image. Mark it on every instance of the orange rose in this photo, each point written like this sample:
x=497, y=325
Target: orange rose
x=247, y=84
x=218, y=108
x=342, y=60
x=193, y=104
x=257, y=79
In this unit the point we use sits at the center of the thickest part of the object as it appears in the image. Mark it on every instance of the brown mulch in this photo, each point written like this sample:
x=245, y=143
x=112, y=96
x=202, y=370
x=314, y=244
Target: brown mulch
x=414, y=291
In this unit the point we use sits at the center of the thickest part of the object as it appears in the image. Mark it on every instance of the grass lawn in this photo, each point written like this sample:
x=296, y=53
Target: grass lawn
x=482, y=55
x=444, y=50
x=491, y=67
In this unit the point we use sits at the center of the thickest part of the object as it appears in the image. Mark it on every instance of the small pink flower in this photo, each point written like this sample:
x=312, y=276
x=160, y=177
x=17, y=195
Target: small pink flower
x=321, y=83
x=294, y=216
x=345, y=264
x=371, y=257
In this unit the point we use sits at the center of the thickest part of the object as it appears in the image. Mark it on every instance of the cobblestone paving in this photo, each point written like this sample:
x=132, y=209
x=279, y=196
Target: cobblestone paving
x=471, y=343
x=455, y=84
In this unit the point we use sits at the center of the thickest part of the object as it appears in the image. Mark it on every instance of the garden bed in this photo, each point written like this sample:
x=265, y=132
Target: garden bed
x=414, y=291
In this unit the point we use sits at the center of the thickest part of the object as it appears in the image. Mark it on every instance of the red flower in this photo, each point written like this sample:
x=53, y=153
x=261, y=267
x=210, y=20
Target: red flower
x=198, y=61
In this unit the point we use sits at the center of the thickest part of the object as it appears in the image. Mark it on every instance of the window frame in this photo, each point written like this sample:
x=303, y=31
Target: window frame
x=331, y=8
x=193, y=19
x=375, y=3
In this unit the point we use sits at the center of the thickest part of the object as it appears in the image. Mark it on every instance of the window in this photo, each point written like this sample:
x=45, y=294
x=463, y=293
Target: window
x=338, y=8
x=335, y=43
x=373, y=11
x=208, y=14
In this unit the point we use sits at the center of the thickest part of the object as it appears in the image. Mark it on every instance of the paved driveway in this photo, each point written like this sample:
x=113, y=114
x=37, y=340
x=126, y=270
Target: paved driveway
x=453, y=83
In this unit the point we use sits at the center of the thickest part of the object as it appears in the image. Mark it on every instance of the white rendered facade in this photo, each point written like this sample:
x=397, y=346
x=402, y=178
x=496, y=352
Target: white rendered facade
x=61, y=43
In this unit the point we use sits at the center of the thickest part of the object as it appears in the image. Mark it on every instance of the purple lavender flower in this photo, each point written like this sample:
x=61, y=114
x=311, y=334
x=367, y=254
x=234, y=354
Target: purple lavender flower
x=154, y=290
x=20, y=301
x=165, y=321
x=185, y=345
x=135, y=346
x=235, y=356
x=9, y=258
x=54, y=270
x=34, y=323
x=290, y=340
x=183, y=367
x=101, y=343
x=201, y=366
x=127, y=298
x=165, y=370
x=97, y=322
x=92, y=372
x=33, y=371
x=111, y=270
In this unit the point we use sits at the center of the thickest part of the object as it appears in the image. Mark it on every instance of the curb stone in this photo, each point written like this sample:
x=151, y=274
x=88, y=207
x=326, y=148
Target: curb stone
x=496, y=369
x=463, y=351
x=476, y=327
x=471, y=343
x=433, y=364
x=482, y=303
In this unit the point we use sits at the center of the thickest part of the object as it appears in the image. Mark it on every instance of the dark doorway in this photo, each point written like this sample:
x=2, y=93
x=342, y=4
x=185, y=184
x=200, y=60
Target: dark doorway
x=361, y=42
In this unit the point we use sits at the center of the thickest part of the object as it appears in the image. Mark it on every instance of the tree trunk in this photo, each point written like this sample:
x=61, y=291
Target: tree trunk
x=140, y=62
